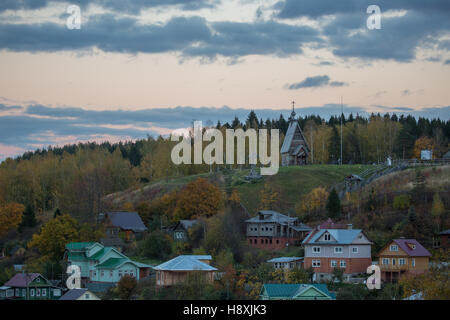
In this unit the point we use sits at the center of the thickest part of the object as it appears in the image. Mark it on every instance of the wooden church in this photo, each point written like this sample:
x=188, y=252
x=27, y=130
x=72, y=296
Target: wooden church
x=295, y=149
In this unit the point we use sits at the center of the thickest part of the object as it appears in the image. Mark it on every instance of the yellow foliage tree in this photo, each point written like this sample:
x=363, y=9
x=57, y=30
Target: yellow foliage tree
x=198, y=198
x=313, y=202
x=54, y=237
x=10, y=217
x=235, y=198
x=423, y=143
x=434, y=285
x=269, y=198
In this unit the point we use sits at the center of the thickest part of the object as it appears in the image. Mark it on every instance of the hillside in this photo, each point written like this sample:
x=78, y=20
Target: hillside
x=290, y=183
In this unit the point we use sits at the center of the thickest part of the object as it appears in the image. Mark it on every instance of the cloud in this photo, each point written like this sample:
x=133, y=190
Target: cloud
x=8, y=108
x=128, y=6
x=190, y=36
x=316, y=82
x=41, y=126
x=259, y=38
x=421, y=24
x=289, y=9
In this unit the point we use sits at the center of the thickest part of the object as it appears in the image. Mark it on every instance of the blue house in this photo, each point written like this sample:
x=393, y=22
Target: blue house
x=178, y=269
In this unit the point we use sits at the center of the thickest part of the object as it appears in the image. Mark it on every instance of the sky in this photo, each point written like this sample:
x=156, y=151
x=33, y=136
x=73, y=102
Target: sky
x=147, y=67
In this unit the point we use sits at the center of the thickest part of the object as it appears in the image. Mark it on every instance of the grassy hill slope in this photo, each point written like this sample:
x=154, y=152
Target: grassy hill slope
x=290, y=183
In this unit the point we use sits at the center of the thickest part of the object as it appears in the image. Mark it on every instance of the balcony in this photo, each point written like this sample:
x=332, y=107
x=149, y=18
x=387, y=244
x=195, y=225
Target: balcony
x=396, y=267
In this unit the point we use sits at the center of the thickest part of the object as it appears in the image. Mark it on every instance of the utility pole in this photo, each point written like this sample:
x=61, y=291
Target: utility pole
x=342, y=114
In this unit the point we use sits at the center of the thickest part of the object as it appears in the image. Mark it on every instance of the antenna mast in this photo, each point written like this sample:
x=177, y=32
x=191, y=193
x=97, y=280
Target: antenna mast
x=342, y=115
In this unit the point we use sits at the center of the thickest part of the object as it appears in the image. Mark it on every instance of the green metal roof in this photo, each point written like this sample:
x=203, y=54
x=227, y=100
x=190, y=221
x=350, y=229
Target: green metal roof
x=281, y=290
x=99, y=254
x=112, y=263
x=274, y=290
x=78, y=245
x=76, y=256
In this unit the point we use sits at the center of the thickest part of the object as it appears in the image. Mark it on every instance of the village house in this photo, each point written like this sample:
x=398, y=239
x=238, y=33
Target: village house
x=286, y=263
x=402, y=256
x=29, y=286
x=442, y=241
x=316, y=291
x=327, y=249
x=295, y=149
x=178, y=269
x=274, y=231
x=180, y=231
x=79, y=295
x=127, y=223
x=100, y=264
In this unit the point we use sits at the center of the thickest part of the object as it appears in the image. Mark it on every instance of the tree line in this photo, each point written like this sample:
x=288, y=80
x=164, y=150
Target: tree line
x=74, y=178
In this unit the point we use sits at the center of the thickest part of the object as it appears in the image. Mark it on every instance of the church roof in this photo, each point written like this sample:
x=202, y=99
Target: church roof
x=293, y=124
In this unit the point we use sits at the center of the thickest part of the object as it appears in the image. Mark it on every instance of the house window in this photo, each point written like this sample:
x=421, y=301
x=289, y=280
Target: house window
x=102, y=273
x=38, y=292
x=413, y=262
x=87, y=296
x=338, y=249
x=385, y=261
x=393, y=262
x=278, y=241
x=111, y=274
x=24, y=292
x=333, y=263
x=401, y=261
x=270, y=241
x=343, y=263
x=120, y=273
x=38, y=280
x=327, y=237
x=316, y=263
x=17, y=293
x=57, y=292
x=262, y=241
x=355, y=250
x=436, y=242
x=316, y=249
x=394, y=247
x=44, y=292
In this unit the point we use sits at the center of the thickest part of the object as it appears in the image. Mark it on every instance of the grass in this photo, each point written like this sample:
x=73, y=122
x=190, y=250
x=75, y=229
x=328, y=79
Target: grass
x=291, y=183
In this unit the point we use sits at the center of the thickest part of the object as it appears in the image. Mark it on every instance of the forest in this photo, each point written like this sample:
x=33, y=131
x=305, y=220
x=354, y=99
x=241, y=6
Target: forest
x=51, y=196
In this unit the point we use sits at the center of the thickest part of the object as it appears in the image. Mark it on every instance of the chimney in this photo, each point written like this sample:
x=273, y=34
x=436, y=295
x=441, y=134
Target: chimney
x=349, y=226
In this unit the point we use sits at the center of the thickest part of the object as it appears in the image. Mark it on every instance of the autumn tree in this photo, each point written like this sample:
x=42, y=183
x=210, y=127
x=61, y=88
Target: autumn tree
x=434, y=284
x=54, y=237
x=126, y=286
x=423, y=143
x=313, y=203
x=437, y=210
x=269, y=198
x=10, y=217
x=198, y=199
